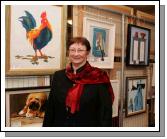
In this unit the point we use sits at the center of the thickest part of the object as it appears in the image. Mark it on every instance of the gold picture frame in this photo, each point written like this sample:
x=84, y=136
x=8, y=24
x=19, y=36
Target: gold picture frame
x=19, y=46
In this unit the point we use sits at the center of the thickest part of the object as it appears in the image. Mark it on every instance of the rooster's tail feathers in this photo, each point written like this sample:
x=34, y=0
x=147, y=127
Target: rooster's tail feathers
x=28, y=21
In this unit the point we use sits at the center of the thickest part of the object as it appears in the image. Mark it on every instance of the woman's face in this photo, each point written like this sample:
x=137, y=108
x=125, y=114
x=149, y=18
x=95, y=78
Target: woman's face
x=77, y=54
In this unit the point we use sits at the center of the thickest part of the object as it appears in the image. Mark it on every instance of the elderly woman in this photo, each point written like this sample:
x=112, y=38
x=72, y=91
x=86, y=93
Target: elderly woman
x=81, y=95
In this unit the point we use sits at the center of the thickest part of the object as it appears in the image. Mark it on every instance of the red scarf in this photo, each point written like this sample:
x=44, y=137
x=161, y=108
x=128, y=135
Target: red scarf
x=88, y=75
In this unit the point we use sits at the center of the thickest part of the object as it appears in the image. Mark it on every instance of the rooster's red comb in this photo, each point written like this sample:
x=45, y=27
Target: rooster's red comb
x=43, y=14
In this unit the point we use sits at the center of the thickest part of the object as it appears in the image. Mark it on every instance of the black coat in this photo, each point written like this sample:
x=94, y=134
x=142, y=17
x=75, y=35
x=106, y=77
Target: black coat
x=95, y=105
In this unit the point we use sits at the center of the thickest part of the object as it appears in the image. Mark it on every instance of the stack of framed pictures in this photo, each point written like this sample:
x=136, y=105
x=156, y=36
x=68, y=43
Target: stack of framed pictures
x=23, y=59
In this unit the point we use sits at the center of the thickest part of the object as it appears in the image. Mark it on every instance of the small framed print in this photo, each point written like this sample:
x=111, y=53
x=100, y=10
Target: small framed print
x=101, y=35
x=138, y=46
x=136, y=91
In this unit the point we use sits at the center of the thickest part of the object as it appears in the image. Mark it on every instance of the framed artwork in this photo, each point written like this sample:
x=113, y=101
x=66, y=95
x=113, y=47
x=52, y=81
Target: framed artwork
x=115, y=86
x=25, y=107
x=24, y=82
x=136, y=91
x=153, y=75
x=34, y=39
x=101, y=35
x=138, y=46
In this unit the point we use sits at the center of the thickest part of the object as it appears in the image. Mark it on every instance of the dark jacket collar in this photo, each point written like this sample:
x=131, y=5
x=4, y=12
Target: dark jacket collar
x=79, y=69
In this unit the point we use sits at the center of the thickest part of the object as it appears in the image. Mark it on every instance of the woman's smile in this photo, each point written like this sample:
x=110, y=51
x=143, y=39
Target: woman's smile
x=78, y=54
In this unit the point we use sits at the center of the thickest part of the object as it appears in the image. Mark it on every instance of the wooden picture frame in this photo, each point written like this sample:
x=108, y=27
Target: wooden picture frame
x=26, y=100
x=35, y=49
x=136, y=95
x=144, y=15
x=21, y=82
x=138, y=46
x=101, y=35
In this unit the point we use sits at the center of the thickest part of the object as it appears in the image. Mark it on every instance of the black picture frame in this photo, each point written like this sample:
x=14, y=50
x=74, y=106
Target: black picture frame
x=138, y=46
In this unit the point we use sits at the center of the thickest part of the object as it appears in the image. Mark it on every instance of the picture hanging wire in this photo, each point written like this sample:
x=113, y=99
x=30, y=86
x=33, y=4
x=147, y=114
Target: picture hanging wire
x=106, y=19
x=99, y=15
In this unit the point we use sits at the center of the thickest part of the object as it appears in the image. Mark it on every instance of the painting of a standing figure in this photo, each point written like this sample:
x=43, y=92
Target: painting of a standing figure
x=101, y=35
x=99, y=43
x=138, y=101
x=136, y=95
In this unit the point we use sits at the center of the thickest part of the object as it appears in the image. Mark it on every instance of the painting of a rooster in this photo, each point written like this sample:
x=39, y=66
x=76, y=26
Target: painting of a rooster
x=38, y=37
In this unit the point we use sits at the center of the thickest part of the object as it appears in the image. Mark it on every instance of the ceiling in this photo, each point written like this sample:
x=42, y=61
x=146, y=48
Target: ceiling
x=150, y=9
